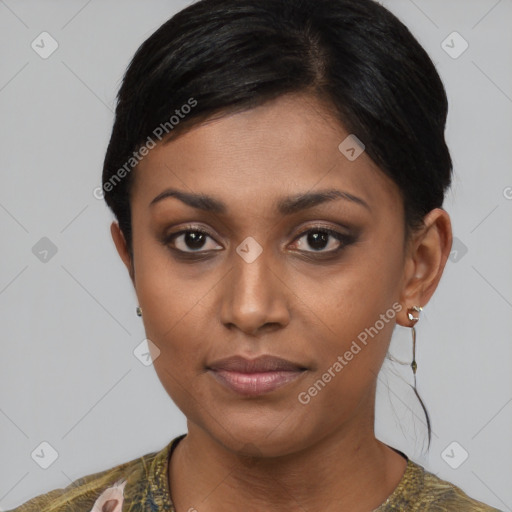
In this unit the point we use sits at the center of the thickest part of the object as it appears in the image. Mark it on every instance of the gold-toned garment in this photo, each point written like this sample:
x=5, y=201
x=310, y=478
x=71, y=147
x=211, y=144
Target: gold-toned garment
x=145, y=489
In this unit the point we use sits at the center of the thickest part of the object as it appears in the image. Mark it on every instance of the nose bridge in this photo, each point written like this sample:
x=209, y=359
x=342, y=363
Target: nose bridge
x=253, y=295
x=251, y=267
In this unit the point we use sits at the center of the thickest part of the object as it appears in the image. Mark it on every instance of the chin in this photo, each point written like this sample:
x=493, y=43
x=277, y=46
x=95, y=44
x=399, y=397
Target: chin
x=260, y=438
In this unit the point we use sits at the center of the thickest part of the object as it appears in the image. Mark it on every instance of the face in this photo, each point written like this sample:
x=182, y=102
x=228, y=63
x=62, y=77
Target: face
x=254, y=272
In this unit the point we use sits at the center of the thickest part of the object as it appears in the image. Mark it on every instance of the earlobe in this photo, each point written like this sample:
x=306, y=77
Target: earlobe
x=122, y=247
x=425, y=262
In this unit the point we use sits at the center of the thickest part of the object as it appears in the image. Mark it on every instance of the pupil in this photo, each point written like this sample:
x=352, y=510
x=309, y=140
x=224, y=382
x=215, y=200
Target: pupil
x=318, y=237
x=194, y=239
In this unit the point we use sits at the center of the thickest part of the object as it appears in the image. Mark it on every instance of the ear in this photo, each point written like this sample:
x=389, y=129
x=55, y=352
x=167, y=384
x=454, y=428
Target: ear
x=122, y=248
x=425, y=260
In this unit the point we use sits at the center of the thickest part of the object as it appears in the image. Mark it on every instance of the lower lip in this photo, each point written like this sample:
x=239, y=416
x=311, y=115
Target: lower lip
x=252, y=384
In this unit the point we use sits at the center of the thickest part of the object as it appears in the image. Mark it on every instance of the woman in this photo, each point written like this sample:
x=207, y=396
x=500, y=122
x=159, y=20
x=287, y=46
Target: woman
x=277, y=170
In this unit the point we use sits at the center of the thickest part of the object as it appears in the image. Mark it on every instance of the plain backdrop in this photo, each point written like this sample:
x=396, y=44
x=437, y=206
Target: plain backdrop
x=68, y=373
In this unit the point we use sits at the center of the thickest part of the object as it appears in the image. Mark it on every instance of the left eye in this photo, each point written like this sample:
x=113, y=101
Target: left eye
x=320, y=238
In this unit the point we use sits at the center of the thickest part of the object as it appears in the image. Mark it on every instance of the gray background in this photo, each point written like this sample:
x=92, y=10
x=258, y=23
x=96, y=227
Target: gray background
x=68, y=374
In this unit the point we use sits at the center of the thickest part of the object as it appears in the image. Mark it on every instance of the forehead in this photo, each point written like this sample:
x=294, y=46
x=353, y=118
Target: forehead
x=286, y=146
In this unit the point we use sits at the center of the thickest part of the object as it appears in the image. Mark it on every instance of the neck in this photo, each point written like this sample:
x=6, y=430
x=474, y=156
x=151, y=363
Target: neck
x=345, y=470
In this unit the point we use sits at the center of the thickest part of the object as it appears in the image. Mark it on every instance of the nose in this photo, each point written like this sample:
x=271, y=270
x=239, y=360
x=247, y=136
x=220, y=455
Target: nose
x=255, y=297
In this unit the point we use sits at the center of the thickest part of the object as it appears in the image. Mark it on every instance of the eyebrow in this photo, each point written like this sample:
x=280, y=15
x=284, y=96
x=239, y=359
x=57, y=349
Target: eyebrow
x=285, y=206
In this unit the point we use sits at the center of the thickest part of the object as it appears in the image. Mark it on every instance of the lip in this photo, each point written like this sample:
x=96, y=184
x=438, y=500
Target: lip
x=252, y=377
x=264, y=363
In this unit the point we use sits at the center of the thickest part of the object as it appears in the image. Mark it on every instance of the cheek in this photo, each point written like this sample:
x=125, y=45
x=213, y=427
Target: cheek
x=352, y=297
x=353, y=313
x=171, y=303
x=348, y=362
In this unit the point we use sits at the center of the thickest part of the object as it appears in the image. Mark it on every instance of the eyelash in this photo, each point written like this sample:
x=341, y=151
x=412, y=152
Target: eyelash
x=345, y=240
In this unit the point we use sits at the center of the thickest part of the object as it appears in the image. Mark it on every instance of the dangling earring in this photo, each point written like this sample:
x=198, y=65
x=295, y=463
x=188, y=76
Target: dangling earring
x=138, y=310
x=410, y=315
x=415, y=318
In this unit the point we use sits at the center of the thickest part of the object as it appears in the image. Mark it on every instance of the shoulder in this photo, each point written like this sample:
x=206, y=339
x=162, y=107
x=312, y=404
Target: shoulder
x=80, y=495
x=127, y=482
x=438, y=495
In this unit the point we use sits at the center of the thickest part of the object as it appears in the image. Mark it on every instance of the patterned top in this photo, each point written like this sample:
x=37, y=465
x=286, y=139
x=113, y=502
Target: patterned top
x=141, y=485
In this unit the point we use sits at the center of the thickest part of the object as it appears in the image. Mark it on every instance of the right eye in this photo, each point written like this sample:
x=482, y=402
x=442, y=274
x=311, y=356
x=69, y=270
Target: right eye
x=190, y=240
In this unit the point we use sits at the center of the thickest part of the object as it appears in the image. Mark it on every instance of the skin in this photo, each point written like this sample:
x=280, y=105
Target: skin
x=272, y=452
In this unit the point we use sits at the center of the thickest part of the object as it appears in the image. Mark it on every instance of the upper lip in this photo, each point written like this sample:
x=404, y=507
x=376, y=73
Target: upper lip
x=264, y=363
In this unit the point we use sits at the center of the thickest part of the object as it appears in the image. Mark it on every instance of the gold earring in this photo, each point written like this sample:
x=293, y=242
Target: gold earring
x=138, y=311
x=412, y=318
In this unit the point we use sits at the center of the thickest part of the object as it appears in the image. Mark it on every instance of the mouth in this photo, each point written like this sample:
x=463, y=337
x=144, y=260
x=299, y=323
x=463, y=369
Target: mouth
x=253, y=377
